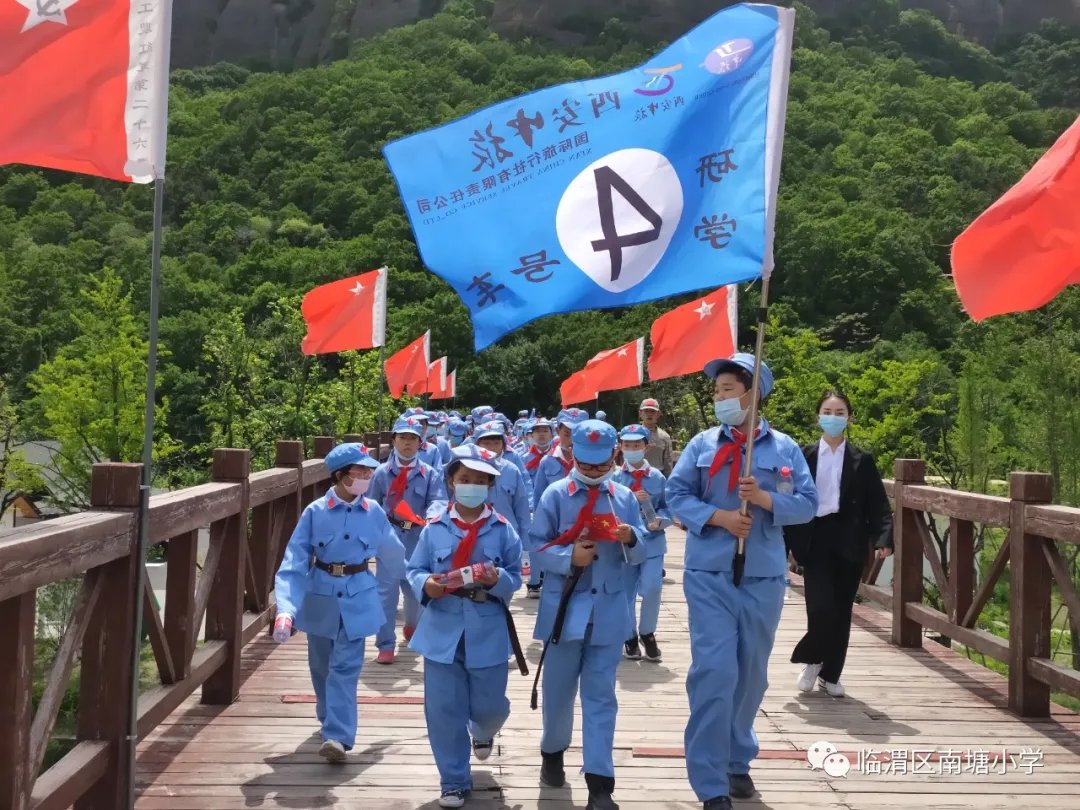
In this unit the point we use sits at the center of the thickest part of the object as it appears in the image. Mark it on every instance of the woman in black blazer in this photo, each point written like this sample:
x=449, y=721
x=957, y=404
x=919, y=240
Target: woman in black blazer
x=853, y=515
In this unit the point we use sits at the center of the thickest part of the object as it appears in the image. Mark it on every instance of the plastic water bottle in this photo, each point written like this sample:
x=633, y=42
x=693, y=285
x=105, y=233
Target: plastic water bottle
x=282, y=628
x=464, y=577
x=526, y=565
x=785, y=486
x=648, y=514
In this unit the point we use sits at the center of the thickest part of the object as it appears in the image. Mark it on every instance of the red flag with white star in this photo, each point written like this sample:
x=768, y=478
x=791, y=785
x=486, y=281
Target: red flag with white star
x=617, y=368
x=346, y=314
x=84, y=85
x=576, y=389
x=409, y=366
x=688, y=337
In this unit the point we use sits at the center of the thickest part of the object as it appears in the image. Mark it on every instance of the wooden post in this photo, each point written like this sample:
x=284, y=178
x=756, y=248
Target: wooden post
x=180, y=576
x=353, y=437
x=224, y=612
x=105, y=682
x=323, y=445
x=286, y=509
x=16, y=700
x=907, y=554
x=961, y=567
x=1029, y=596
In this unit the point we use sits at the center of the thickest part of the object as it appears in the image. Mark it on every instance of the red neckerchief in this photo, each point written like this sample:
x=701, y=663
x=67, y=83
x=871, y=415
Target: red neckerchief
x=463, y=553
x=536, y=455
x=397, y=486
x=586, y=513
x=730, y=452
x=567, y=464
x=638, y=476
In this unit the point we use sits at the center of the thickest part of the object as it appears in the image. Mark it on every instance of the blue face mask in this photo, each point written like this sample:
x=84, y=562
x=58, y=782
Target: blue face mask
x=442, y=430
x=832, y=425
x=456, y=440
x=633, y=456
x=470, y=495
x=730, y=411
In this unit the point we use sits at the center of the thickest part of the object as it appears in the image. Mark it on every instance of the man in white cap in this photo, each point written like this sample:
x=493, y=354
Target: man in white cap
x=658, y=454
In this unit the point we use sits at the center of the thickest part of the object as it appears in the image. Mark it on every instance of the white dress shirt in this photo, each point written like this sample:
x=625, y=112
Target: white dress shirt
x=830, y=466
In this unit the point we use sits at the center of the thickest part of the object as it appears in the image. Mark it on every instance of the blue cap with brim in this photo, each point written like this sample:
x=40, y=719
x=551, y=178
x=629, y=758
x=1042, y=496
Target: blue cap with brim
x=635, y=433
x=409, y=425
x=475, y=458
x=571, y=417
x=492, y=428
x=348, y=455
x=594, y=441
x=744, y=361
x=457, y=428
x=539, y=422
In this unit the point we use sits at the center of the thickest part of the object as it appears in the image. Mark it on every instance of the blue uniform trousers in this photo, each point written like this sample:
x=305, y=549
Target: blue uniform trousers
x=534, y=573
x=335, y=670
x=386, y=638
x=567, y=663
x=462, y=703
x=729, y=627
x=646, y=580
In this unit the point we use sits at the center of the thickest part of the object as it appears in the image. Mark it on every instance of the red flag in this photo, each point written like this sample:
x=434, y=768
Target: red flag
x=448, y=391
x=346, y=314
x=409, y=366
x=688, y=337
x=84, y=85
x=435, y=380
x=1025, y=248
x=576, y=388
x=617, y=368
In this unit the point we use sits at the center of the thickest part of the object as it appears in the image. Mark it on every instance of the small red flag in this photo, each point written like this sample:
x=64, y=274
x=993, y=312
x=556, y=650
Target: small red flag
x=346, y=314
x=84, y=85
x=688, y=337
x=617, y=368
x=576, y=388
x=435, y=380
x=1025, y=248
x=409, y=366
x=449, y=389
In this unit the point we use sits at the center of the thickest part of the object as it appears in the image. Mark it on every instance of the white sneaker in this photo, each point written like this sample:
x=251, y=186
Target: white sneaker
x=482, y=749
x=833, y=689
x=452, y=798
x=332, y=751
x=809, y=677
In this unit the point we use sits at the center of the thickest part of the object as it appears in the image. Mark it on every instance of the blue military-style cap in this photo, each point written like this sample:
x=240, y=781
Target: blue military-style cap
x=635, y=433
x=539, y=421
x=475, y=458
x=601, y=415
x=409, y=424
x=492, y=428
x=594, y=441
x=571, y=417
x=744, y=361
x=457, y=428
x=347, y=455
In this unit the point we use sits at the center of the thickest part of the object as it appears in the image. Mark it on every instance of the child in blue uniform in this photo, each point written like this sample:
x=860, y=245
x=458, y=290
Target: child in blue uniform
x=587, y=528
x=326, y=587
x=647, y=484
x=732, y=628
x=509, y=494
x=463, y=635
x=410, y=491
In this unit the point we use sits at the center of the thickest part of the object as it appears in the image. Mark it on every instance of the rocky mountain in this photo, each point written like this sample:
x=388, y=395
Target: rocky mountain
x=299, y=33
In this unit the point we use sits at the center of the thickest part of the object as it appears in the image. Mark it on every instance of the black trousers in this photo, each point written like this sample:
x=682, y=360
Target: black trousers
x=831, y=581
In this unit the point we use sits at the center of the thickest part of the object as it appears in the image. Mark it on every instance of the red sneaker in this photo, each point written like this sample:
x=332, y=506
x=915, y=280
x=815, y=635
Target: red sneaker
x=385, y=657
x=408, y=632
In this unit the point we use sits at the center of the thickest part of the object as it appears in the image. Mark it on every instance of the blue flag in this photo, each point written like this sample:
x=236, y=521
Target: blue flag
x=612, y=191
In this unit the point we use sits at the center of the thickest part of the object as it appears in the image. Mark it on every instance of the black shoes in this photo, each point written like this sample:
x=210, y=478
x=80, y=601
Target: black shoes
x=631, y=649
x=551, y=771
x=600, y=790
x=652, y=651
x=719, y=803
x=741, y=786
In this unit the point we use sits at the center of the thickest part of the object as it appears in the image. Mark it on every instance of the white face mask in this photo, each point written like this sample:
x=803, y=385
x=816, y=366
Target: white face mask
x=592, y=482
x=358, y=486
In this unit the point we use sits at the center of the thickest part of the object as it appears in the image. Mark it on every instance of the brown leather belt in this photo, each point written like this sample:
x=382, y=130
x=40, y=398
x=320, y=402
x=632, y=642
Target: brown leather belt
x=341, y=569
x=481, y=595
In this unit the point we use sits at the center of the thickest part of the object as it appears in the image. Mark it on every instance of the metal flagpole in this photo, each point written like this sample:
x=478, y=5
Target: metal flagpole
x=382, y=384
x=144, y=489
x=738, y=564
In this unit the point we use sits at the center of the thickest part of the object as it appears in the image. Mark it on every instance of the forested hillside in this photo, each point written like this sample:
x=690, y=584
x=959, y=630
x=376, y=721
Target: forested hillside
x=899, y=134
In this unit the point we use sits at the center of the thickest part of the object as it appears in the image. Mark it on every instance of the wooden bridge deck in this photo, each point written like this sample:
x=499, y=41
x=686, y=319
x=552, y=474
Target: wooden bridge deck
x=261, y=751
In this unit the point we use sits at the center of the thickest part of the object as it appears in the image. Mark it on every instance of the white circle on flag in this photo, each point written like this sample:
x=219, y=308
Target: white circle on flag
x=617, y=217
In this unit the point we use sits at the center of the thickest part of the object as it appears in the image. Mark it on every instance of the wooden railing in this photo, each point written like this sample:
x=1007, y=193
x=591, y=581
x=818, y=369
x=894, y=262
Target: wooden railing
x=250, y=517
x=1029, y=550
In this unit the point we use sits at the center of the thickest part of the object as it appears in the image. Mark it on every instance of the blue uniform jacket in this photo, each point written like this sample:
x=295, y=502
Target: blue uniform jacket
x=510, y=497
x=511, y=456
x=551, y=469
x=599, y=597
x=654, y=483
x=446, y=620
x=430, y=454
x=691, y=499
x=333, y=531
x=425, y=492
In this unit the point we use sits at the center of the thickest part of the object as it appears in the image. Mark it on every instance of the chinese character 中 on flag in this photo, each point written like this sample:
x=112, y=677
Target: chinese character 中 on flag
x=409, y=366
x=1025, y=248
x=346, y=314
x=688, y=337
x=84, y=85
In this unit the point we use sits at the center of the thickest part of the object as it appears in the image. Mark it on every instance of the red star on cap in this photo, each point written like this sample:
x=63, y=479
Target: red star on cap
x=594, y=436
